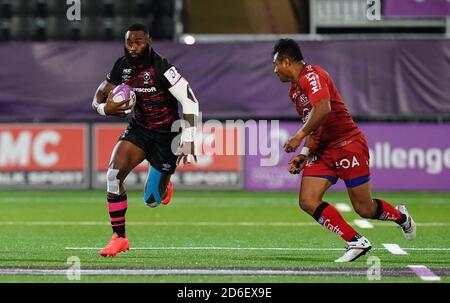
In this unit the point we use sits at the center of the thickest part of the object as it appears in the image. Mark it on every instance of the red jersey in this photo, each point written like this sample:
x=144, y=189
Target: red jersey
x=313, y=85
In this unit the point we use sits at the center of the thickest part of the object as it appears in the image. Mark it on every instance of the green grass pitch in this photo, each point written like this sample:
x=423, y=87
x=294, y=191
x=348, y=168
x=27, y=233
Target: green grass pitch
x=242, y=232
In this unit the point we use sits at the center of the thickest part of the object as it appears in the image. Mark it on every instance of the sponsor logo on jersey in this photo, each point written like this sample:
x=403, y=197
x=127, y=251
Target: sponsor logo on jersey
x=333, y=228
x=346, y=163
x=172, y=75
x=301, y=102
x=127, y=70
x=304, y=100
x=144, y=89
x=387, y=216
x=314, y=82
x=321, y=219
x=146, y=77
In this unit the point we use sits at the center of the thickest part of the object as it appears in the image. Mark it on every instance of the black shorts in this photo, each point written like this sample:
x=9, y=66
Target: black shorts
x=157, y=145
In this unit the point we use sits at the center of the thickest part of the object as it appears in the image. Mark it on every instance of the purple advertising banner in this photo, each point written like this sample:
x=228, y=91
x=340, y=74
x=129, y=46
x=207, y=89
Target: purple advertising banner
x=417, y=8
x=402, y=157
x=272, y=178
x=57, y=81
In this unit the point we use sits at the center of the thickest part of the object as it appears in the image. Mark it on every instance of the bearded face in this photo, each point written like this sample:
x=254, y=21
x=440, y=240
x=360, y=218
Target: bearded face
x=137, y=46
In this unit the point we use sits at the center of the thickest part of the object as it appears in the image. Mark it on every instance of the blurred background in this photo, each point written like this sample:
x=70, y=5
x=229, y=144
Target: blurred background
x=47, y=20
x=390, y=60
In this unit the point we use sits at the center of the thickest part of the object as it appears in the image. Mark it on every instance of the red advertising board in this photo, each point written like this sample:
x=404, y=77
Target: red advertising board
x=43, y=155
x=211, y=169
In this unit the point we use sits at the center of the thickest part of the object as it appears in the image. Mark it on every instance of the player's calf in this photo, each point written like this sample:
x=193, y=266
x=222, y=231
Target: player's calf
x=117, y=203
x=386, y=212
x=152, y=202
x=155, y=193
x=330, y=218
x=117, y=208
x=364, y=211
x=166, y=196
x=399, y=214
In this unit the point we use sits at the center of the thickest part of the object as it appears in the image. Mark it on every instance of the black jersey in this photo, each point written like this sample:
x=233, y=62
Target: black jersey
x=155, y=107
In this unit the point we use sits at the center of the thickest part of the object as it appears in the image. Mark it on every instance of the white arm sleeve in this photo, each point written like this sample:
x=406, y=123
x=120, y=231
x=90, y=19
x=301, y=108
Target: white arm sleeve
x=184, y=94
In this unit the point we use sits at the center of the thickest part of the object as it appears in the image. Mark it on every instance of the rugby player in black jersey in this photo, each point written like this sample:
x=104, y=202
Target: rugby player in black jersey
x=159, y=88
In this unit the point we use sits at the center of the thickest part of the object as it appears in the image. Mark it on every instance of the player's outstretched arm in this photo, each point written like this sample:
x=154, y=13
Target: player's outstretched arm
x=318, y=116
x=103, y=103
x=184, y=94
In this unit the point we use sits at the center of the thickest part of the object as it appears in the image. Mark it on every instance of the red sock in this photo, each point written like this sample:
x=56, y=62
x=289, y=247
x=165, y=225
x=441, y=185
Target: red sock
x=387, y=212
x=117, y=207
x=329, y=217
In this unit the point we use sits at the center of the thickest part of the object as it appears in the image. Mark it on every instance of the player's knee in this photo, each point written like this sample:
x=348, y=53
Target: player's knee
x=113, y=181
x=363, y=211
x=307, y=205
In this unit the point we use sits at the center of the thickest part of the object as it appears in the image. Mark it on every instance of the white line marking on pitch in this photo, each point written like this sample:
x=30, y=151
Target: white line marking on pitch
x=204, y=223
x=343, y=207
x=251, y=248
x=363, y=223
x=422, y=224
x=187, y=271
x=395, y=249
x=214, y=248
x=173, y=223
x=424, y=273
x=428, y=248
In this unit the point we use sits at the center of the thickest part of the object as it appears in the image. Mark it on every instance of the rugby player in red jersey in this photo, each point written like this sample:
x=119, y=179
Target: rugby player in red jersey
x=334, y=148
x=158, y=87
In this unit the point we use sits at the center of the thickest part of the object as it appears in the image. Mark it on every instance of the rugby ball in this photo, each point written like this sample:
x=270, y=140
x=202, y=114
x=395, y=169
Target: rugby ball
x=124, y=92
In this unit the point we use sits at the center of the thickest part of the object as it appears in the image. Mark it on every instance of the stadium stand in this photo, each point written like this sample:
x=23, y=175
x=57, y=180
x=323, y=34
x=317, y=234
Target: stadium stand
x=353, y=16
x=46, y=20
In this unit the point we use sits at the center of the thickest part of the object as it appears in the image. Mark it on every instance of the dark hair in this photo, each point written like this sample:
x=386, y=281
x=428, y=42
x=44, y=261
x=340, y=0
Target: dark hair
x=287, y=48
x=138, y=27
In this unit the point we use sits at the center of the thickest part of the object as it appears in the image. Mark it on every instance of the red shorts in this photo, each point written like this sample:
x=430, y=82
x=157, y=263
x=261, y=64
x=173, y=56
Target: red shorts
x=349, y=163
